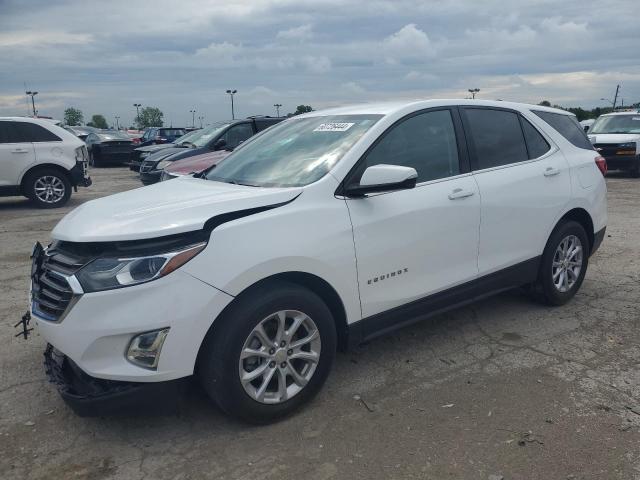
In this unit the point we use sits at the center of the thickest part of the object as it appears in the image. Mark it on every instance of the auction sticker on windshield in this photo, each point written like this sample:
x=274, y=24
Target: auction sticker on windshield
x=333, y=127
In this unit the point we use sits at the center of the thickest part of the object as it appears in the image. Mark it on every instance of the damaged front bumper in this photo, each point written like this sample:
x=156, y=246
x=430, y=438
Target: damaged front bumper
x=90, y=396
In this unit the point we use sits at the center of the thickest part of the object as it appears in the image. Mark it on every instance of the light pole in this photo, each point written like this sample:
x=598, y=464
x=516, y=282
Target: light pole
x=33, y=103
x=193, y=118
x=277, y=105
x=473, y=92
x=117, y=123
x=231, y=94
x=607, y=100
x=137, y=105
x=201, y=118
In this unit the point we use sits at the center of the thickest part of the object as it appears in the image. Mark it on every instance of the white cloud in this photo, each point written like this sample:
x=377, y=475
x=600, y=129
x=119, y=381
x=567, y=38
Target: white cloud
x=409, y=44
x=303, y=32
x=33, y=38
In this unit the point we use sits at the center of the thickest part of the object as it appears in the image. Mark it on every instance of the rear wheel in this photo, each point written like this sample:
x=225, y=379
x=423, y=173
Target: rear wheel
x=564, y=264
x=48, y=188
x=635, y=170
x=269, y=353
x=93, y=161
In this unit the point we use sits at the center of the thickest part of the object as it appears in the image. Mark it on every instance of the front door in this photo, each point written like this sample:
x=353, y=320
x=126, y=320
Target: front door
x=16, y=154
x=413, y=243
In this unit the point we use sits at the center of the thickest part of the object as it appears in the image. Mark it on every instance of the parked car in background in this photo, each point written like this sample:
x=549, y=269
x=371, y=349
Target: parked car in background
x=326, y=231
x=192, y=165
x=140, y=153
x=40, y=161
x=135, y=135
x=586, y=124
x=225, y=135
x=617, y=137
x=81, y=131
x=156, y=135
x=108, y=147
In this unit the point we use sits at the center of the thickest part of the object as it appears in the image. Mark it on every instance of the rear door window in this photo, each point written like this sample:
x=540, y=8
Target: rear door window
x=568, y=127
x=496, y=136
x=31, y=132
x=10, y=134
x=237, y=134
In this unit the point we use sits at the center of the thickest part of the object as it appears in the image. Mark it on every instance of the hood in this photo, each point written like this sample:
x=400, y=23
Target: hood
x=156, y=147
x=198, y=163
x=181, y=205
x=613, y=137
x=175, y=153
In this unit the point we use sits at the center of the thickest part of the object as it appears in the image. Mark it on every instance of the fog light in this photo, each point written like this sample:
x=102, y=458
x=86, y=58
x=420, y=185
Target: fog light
x=144, y=349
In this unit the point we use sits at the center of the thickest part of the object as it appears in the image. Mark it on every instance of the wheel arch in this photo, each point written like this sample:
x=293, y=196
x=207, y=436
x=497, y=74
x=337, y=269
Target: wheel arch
x=583, y=217
x=41, y=166
x=312, y=282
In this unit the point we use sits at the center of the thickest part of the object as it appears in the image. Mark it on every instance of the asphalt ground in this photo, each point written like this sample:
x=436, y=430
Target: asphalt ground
x=504, y=388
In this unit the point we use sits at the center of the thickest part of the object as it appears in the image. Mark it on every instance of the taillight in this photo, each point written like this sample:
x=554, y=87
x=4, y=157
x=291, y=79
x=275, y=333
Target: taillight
x=601, y=163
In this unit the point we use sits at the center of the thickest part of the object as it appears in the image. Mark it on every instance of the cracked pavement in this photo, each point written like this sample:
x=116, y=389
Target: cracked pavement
x=502, y=388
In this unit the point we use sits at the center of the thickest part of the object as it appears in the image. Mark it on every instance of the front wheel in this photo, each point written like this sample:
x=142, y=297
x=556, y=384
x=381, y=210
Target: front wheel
x=564, y=264
x=48, y=188
x=269, y=353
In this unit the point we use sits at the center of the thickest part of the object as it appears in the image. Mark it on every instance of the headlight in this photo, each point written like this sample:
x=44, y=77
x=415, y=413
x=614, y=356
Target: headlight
x=163, y=164
x=106, y=273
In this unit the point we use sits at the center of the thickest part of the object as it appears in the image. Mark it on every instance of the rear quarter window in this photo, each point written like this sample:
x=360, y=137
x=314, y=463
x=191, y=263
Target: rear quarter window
x=568, y=127
x=10, y=134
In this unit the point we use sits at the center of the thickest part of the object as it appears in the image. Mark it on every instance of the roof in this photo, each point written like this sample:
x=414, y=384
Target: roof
x=626, y=112
x=39, y=121
x=387, y=108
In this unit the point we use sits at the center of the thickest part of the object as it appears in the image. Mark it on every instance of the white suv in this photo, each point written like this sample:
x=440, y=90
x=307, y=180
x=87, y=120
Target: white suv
x=321, y=232
x=41, y=161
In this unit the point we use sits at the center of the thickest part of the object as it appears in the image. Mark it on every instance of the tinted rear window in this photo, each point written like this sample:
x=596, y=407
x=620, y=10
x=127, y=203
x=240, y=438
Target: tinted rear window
x=568, y=127
x=262, y=124
x=497, y=137
x=30, y=132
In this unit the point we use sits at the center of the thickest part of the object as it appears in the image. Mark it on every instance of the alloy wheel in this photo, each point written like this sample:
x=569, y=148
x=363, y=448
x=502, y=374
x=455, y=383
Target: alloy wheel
x=567, y=263
x=279, y=356
x=49, y=189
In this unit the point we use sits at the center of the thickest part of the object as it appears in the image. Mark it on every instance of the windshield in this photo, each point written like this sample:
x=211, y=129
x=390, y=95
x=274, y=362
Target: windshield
x=186, y=137
x=293, y=153
x=617, y=124
x=202, y=137
x=113, y=135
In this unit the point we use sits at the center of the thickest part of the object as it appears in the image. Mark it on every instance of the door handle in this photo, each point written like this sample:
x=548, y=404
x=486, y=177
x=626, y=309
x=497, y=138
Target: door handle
x=460, y=193
x=551, y=171
x=20, y=150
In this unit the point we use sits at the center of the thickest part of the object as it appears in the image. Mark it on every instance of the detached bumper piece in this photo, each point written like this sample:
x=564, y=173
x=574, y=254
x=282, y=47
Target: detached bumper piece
x=89, y=396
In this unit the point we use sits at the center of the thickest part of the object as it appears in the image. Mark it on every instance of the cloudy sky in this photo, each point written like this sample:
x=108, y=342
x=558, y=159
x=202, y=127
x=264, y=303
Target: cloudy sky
x=179, y=55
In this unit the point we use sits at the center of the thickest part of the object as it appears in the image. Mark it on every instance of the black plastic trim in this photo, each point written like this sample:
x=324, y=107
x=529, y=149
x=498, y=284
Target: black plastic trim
x=9, y=190
x=598, y=237
x=382, y=323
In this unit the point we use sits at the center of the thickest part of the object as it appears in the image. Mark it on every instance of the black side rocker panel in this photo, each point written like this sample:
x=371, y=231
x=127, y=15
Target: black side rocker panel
x=598, y=237
x=381, y=323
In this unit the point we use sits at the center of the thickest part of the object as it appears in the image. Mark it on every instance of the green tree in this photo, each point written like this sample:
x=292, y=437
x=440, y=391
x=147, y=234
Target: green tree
x=303, y=109
x=150, y=117
x=98, y=121
x=73, y=116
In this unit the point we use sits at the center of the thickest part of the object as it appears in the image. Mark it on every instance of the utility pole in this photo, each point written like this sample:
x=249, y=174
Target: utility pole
x=615, y=98
x=473, y=92
x=201, y=118
x=33, y=103
x=137, y=105
x=117, y=123
x=277, y=105
x=231, y=94
x=193, y=118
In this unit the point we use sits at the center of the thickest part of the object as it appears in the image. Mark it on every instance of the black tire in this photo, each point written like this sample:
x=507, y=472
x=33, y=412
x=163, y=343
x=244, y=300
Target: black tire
x=635, y=170
x=35, y=180
x=218, y=361
x=544, y=289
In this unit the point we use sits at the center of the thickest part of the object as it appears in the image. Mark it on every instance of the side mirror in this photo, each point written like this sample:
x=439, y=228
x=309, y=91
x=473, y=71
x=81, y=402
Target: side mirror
x=383, y=178
x=220, y=144
x=586, y=128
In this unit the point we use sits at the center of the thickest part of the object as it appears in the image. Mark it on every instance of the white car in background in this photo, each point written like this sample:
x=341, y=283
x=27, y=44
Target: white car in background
x=324, y=231
x=616, y=136
x=41, y=161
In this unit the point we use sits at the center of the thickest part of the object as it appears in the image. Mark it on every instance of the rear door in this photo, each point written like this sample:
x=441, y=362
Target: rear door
x=524, y=185
x=413, y=243
x=16, y=153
